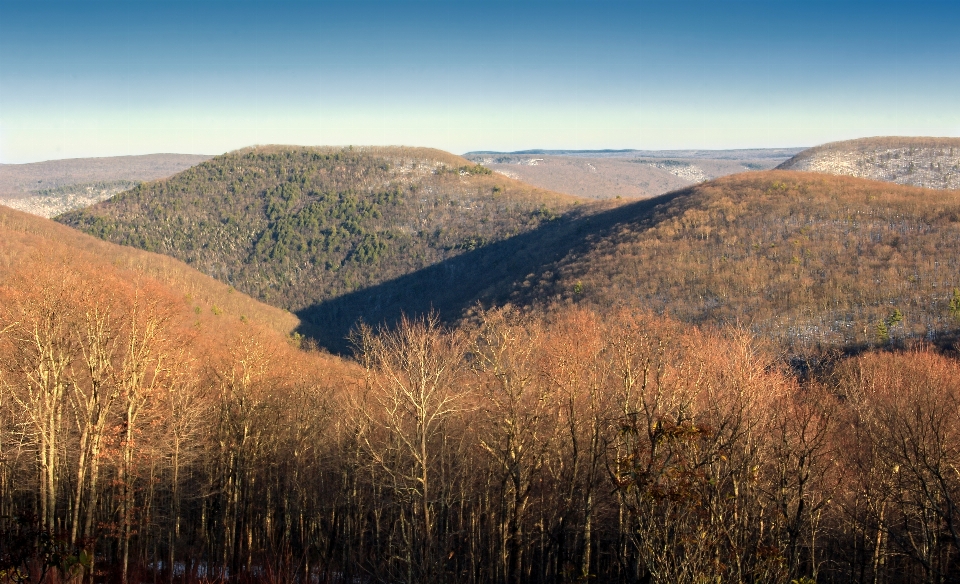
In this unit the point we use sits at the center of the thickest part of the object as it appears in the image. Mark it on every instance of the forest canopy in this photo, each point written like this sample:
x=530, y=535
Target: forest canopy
x=296, y=226
x=608, y=421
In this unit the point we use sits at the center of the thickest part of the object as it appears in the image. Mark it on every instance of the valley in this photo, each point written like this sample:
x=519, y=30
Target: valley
x=807, y=260
x=505, y=292
x=396, y=364
x=296, y=226
x=632, y=174
x=53, y=187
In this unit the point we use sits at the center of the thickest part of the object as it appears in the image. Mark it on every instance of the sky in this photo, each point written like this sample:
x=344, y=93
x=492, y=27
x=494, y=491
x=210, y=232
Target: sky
x=106, y=78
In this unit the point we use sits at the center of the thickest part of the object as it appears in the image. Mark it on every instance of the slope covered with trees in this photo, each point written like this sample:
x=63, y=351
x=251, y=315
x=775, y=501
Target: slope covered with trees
x=111, y=360
x=294, y=226
x=526, y=448
x=145, y=436
x=25, y=236
x=809, y=260
x=344, y=235
x=806, y=259
x=917, y=161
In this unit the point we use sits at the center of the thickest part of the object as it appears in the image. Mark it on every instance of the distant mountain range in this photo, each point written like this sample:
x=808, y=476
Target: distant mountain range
x=728, y=154
x=632, y=174
x=56, y=186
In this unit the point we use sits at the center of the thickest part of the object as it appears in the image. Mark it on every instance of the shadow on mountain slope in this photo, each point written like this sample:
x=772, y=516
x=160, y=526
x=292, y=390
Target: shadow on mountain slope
x=488, y=275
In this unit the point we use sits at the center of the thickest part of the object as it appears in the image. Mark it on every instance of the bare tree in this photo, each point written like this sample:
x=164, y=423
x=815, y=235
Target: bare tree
x=415, y=386
x=92, y=396
x=37, y=317
x=518, y=416
x=141, y=374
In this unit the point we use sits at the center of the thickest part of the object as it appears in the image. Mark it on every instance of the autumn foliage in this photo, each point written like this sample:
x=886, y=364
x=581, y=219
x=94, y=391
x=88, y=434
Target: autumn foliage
x=810, y=260
x=563, y=446
x=150, y=441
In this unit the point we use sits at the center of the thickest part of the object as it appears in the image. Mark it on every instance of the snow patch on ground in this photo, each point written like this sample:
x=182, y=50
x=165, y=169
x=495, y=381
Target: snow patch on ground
x=922, y=167
x=53, y=205
x=684, y=170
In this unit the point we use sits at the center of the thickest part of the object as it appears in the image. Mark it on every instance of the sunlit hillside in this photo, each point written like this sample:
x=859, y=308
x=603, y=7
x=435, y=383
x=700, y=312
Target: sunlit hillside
x=809, y=260
x=27, y=239
x=917, y=161
x=553, y=443
x=803, y=258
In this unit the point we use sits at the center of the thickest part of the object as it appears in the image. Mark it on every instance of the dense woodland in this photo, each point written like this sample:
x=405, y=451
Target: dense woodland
x=295, y=226
x=813, y=261
x=559, y=447
x=157, y=426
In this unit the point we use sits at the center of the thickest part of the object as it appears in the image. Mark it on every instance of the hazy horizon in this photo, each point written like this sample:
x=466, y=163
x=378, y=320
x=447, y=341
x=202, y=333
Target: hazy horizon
x=112, y=78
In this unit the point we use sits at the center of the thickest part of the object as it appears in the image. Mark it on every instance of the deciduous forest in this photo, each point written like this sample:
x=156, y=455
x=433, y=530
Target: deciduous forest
x=556, y=447
x=294, y=226
x=159, y=426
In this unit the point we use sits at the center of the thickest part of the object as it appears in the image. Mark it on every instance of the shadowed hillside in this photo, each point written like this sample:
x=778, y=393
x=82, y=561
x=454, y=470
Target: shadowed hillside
x=922, y=162
x=802, y=258
x=294, y=226
x=494, y=274
x=145, y=436
x=340, y=235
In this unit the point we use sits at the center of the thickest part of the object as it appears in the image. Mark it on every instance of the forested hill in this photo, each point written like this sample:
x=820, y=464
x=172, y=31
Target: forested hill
x=33, y=244
x=294, y=226
x=917, y=161
x=343, y=234
x=807, y=259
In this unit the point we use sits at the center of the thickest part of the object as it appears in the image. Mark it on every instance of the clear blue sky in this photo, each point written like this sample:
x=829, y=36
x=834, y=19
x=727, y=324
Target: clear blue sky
x=86, y=78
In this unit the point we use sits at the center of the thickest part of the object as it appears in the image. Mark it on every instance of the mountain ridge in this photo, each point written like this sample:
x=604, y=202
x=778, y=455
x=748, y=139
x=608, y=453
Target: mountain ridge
x=910, y=160
x=807, y=259
x=295, y=225
x=770, y=251
x=676, y=153
x=52, y=187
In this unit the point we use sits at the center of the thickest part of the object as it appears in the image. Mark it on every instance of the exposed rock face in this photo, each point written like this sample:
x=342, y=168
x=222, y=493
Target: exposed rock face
x=922, y=162
x=684, y=170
